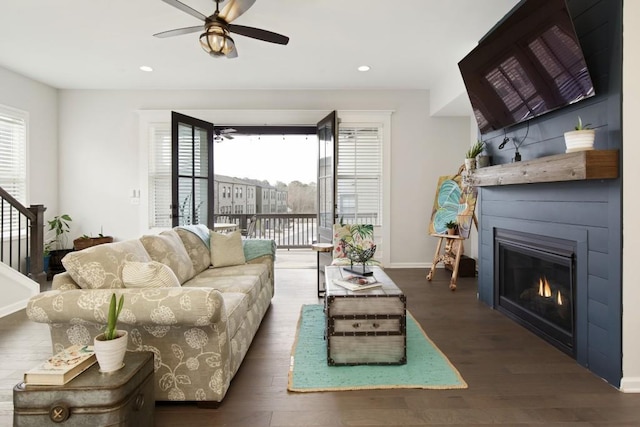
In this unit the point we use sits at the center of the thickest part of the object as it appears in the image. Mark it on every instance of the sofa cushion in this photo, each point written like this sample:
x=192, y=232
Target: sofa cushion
x=236, y=308
x=226, y=249
x=150, y=274
x=197, y=249
x=168, y=249
x=261, y=270
x=249, y=285
x=101, y=266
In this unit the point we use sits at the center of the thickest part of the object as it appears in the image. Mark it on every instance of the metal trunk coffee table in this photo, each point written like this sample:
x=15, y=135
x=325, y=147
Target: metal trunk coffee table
x=364, y=327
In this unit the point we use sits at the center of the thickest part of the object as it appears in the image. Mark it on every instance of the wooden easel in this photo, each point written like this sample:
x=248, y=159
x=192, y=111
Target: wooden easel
x=453, y=249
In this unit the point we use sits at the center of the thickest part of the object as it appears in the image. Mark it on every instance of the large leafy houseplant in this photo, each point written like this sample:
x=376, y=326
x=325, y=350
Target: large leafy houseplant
x=56, y=243
x=60, y=226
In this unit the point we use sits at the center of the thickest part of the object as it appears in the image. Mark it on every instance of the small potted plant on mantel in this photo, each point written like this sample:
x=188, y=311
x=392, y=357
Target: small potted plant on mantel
x=472, y=153
x=111, y=345
x=581, y=138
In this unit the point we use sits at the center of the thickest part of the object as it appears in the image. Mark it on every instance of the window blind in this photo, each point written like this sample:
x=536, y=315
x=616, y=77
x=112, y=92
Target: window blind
x=13, y=160
x=160, y=175
x=359, y=174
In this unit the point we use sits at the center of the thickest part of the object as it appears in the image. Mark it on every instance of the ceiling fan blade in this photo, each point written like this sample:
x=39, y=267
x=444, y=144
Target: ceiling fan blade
x=178, y=31
x=183, y=7
x=233, y=53
x=235, y=8
x=257, y=33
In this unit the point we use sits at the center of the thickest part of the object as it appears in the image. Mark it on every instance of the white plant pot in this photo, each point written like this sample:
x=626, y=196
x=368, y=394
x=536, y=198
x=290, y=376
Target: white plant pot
x=469, y=164
x=579, y=140
x=110, y=353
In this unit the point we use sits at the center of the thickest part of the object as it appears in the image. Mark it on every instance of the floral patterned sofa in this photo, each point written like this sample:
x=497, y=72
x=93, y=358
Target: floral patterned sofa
x=193, y=297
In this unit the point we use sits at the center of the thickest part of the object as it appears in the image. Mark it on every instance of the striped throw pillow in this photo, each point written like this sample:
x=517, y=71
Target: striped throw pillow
x=150, y=274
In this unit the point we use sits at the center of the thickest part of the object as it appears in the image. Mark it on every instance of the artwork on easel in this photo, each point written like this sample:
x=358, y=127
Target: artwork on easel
x=453, y=202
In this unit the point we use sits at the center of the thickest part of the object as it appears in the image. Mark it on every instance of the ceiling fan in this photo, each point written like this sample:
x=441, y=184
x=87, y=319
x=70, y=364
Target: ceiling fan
x=215, y=39
x=223, y=133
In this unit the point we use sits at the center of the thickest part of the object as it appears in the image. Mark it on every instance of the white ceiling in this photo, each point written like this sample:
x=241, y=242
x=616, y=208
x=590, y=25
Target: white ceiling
x=100, y=44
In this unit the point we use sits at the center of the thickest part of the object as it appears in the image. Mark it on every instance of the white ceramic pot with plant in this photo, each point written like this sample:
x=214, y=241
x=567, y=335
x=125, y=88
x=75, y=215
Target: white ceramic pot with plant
x=580, y=139
x=111, y=345
x=472, y=153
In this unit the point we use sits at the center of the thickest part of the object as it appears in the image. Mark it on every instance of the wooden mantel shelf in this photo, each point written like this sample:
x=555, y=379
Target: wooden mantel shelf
x=581, y=165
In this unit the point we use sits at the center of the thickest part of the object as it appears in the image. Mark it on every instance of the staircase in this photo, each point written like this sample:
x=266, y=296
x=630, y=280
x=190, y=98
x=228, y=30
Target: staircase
x=22, y=247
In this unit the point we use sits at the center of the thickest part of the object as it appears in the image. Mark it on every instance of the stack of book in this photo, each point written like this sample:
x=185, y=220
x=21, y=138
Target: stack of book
x=356, y=282
x=62, y=367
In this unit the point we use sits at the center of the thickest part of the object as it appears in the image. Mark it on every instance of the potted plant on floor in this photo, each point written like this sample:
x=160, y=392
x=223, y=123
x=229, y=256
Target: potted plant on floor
x=59, y=225
x=111, y=345
x=472, y=153
x=580, y=139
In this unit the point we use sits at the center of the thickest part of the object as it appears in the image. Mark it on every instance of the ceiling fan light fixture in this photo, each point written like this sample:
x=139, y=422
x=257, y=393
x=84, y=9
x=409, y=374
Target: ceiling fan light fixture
x=216, y=41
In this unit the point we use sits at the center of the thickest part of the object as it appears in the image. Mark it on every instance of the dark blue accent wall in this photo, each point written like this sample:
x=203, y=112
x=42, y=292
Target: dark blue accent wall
x=588, y=212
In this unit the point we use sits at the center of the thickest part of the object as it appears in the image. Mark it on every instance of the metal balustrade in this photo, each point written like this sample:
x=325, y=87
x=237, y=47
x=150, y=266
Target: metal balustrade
x=288, y=230
x=22, y=237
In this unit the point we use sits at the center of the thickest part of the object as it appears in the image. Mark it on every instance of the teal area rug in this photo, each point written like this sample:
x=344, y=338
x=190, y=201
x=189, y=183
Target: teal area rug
x=427, y=367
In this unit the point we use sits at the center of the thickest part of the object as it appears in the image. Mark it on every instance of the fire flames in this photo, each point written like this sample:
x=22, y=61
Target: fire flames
x=544, y=290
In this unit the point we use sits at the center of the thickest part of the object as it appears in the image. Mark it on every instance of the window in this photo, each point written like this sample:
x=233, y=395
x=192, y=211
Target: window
x=359, y=173
x=13, y=159
x=160, y=175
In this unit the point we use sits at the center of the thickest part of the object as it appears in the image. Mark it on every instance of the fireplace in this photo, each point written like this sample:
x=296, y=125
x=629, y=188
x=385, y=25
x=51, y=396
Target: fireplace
x=535, y=284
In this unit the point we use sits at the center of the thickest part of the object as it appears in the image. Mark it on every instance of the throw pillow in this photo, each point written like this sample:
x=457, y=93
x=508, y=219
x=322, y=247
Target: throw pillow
x=100, y=267
x=198, y=251
x=167, y=248
x=226, y=249
x=150, y=274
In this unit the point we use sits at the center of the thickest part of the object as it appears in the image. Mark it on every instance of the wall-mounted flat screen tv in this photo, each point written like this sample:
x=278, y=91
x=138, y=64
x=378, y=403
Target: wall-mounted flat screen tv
x=530, y=63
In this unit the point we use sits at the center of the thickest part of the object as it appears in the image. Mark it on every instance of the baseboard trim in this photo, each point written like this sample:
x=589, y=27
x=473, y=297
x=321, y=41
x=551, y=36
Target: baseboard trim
x=12, y=308
x=630, y=385
x=409, y=265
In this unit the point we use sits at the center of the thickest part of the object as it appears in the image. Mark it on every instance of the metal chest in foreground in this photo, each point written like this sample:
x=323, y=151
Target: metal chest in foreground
x=365, y=327
x=121, y=398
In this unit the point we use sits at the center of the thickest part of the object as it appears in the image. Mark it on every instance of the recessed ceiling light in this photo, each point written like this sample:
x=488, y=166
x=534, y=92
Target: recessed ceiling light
x=146, y=68
x=364, y=68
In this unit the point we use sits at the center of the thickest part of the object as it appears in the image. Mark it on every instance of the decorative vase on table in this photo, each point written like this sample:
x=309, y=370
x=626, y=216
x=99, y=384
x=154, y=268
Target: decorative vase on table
x=470, y=164
x=110, y=353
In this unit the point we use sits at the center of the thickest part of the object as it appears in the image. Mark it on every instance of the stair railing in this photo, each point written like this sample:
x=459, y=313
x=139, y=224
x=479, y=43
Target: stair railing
x=26, y=240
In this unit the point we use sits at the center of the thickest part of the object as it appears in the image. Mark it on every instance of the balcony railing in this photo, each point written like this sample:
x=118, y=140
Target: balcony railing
x=288, y=230
x=22, y=236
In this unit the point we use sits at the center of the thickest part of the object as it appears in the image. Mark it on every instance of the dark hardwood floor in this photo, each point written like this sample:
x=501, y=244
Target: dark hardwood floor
x=514, y=377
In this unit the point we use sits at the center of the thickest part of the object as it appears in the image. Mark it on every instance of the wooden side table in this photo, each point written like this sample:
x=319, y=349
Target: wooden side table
x=321, y=247
x=121, y=398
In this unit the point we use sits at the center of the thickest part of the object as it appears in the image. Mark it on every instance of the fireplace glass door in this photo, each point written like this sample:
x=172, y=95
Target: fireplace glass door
x=535, y=285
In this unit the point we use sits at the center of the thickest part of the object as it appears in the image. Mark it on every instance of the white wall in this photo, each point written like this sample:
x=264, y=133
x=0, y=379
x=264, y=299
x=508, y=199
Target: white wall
x=41, y=102
x=631, y=205
x=100, y=151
